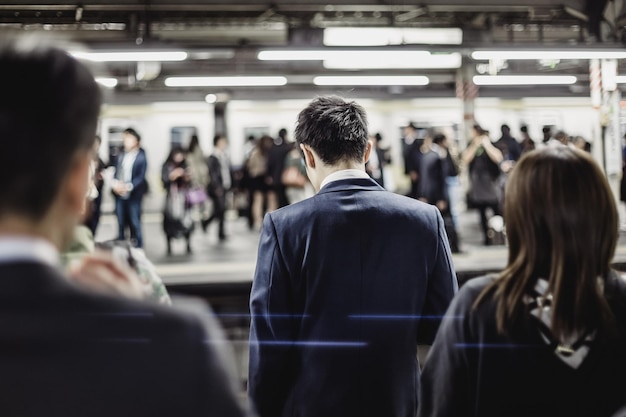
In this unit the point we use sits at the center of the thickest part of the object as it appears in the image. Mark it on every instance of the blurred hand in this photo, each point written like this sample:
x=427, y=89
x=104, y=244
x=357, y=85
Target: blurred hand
x=102, y=273
x=442, y=205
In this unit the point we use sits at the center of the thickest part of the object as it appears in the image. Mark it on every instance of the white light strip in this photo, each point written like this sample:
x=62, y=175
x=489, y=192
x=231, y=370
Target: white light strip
x=322, y=55
x=243, y=81
x=371, y=80
x=511, y=55
x=620, y=79
x=524, y=79
x=397, y=61
x=380, y=36
x=107, y=82
x=130, y=56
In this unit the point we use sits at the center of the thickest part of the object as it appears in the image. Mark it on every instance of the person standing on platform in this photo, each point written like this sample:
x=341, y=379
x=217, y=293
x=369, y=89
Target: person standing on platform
x=92, y=218
x=347, y=283
x=68, y=350
x=129, y=186
x=219, y=183
x=547, y=335
x=276, y=165
x=527, y=144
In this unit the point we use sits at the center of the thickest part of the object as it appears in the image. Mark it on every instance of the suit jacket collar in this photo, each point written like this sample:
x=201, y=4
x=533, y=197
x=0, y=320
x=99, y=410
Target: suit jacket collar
x=355, y=184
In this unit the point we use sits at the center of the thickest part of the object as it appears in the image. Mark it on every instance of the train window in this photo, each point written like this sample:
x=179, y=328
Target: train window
x=181, y=135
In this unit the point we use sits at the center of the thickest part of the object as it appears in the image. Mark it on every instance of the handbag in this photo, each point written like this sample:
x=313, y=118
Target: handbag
x=196, y=196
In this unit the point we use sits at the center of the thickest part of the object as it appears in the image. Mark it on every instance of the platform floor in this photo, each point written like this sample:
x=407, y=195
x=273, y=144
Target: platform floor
x=233, y=261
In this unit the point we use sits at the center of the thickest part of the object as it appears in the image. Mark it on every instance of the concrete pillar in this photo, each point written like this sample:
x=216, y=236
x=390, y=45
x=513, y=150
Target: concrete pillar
x=467, y=91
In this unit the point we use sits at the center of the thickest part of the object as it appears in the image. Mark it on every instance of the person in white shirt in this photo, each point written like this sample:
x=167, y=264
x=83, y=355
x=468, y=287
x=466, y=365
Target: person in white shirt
x=129, y=186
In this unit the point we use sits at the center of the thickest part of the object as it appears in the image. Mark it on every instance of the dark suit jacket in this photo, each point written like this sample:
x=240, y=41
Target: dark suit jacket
x=68, y=352
x=432, y=184
x=140, y=185
x=347, y=283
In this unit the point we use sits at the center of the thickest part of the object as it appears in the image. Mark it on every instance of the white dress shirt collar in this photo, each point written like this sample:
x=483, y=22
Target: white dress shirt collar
x=344, y=174
x=22, y=248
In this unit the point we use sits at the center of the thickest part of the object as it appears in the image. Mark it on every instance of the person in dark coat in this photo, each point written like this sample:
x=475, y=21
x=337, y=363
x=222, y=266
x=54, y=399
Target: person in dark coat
x=347, y=283
x=68, y=349
x=177, y=220
x=547, y=335
x=219, y=184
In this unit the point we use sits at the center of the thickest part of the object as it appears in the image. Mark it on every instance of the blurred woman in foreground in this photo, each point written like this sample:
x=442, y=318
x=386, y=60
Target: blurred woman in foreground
x=546, y=336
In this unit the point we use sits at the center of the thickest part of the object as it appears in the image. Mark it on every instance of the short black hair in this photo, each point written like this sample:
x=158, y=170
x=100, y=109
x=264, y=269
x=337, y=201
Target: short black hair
x=282, y=133
x=49, y=108
x=217, y=138
x=438, y=138
x=505, y=128
x=334, y=128
x=524, y=129
x=133, y=132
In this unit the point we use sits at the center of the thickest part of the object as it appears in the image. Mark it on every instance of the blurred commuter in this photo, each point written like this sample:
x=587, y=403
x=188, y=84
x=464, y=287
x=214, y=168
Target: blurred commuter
x=482, y=159
x=92, y=216
x=256, y=166
x=177, y=219
x=581, y=143
x=509, y=147
x=129, y=186
x=412, y=156
x=276, y=165
x=219, y=184
x=347, y=283
x=295, y=179
x=547, y=134
x=547, y=335
x=68, y=350
x=436, y=166
x=527, y=144
x=376, y=164
x=198, y=175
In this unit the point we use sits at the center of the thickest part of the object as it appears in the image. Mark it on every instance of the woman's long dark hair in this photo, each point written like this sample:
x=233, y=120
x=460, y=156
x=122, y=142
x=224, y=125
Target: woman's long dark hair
x=562, y=225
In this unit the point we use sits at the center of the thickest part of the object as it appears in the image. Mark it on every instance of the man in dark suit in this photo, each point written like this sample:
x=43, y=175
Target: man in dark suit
x=347, y=283
x=67, y=350
x=129, y=187
x=219, y=184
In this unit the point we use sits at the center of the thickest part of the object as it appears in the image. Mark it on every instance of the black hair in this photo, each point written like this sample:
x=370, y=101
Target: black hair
x=49, y=110
x=524, y=129
x=480, y=130
x=194, y=143
x=282, y=133
x=505, y=128
x=438, y=138
x=217, y=138
x=133, y=132
x=334, y=128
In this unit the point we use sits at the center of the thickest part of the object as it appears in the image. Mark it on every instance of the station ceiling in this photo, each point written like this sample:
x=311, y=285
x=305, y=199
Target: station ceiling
x=224, y=38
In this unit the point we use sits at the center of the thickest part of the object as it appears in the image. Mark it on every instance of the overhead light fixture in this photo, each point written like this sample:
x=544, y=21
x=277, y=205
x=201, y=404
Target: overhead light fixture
x=380, y=36
x=546, y=54
x=372, y=80
x=396, y=60
x=620, y=79
x=243, y=81
x=367, y=59
x=524, y=79
x=131, y=56
x=323, y=55
x=210, y=98
x=107, y=81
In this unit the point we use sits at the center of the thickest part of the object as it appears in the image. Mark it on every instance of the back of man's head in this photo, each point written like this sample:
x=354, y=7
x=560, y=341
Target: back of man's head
x=334, y=128
x=49, y=108
x=505, y=129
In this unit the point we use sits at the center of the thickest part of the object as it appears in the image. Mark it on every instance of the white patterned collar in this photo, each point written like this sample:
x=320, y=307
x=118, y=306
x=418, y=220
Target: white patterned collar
x=344, y=174
x=25, y=248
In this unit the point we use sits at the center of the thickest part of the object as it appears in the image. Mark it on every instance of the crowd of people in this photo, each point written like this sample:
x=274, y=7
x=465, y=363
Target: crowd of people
x=347, y=282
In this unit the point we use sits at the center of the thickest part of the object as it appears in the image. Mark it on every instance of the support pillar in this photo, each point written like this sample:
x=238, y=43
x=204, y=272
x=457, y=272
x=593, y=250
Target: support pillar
x=467, y=91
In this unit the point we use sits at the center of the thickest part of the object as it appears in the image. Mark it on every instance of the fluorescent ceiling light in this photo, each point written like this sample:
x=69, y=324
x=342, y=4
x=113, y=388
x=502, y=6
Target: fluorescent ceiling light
x=131, y=56
x=243, y=81
x=378, y=36
x=397, y=60
x=582, y=54
x=371, y=80
x=524, y=79
x=107, y=82
x=322, y=55
x=210, y=98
